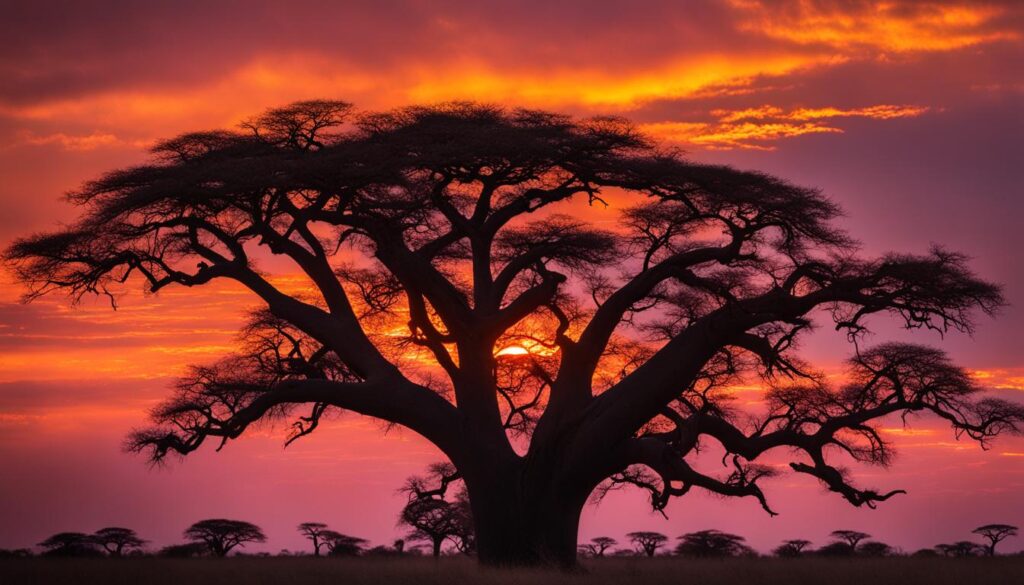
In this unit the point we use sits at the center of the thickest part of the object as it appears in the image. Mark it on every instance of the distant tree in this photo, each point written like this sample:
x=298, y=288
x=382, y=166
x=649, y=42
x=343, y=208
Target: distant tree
x=221, y=535
x=711, y=543
x=873, y=548
x=17, y=553
x=70, y=544
x=925, y=552
x=598, y=545
x=186, y=550
x=647, y=542
x=791, y=548
x=850, y=537
x=342, y=545
x=313, y=532
x=118, y=541
x=995, y=533
x=433, y=518
x=835, y=549
x=960, y=549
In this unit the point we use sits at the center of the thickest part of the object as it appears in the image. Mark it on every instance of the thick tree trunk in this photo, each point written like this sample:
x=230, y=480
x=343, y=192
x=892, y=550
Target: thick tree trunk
x=526, y=518
x=527, y=533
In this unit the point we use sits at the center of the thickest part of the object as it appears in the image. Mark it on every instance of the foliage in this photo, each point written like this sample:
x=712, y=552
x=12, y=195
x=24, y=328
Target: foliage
x=221, y=535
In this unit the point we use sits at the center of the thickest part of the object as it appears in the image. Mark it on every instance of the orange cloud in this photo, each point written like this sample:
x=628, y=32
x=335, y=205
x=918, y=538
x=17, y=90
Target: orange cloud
x=753, y=128
x=1001, y=379
x=136, y=116
x=886, y=26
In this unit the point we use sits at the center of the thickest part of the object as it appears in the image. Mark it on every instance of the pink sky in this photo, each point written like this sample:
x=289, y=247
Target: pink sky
x=907, y=114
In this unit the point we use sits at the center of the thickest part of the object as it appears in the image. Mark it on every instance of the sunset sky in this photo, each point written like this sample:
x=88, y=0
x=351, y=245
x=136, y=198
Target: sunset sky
x=909, y=114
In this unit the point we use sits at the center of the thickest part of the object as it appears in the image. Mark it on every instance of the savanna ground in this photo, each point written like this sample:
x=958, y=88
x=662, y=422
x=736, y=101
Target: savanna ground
x=311, y=571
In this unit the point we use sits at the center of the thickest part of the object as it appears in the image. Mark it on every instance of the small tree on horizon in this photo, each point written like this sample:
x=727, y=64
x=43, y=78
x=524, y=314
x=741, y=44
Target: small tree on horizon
x=599, y=545
x=313, y=531
x=342, y=545
x=961, y=549
x=70, y=544
x=850, y=537
x=647, y=542
x=995, y=533
x=712, y=543
x=434, y=519
x=874, y=548
x=118, y=541
x=221, y=536
x=791, y=548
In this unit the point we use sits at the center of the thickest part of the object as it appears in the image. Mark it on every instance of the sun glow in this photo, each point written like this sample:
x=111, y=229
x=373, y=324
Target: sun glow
x=512, y=350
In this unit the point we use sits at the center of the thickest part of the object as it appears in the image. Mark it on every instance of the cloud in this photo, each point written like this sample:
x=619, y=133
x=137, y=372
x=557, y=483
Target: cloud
x=899, y=26
x=1000, y=378
x=756, y=128
x=81, y=142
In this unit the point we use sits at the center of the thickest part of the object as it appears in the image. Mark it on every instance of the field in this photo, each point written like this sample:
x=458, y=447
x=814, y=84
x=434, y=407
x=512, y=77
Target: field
x=309, y=571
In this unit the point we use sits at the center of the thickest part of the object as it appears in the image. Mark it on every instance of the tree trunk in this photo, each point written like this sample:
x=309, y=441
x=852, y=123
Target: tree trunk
x=519, y=522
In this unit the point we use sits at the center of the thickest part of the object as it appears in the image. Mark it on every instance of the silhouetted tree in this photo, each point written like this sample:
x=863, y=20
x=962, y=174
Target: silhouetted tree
x=647, y=542
x=711, y=543
x=313, y=531
x=873, y=548
x=995, y=533
x=185, y=550
x=925, y=552
x=399, y=545
x=458, y=225
x=70, y=544
x=17, y=553
x=434, y=519
x=598, y=545
x=962, y=548
x=221, y=535
x=791, y=548
x=118, y=541
x=835, y=549
x=850, y=537
x=342, y=545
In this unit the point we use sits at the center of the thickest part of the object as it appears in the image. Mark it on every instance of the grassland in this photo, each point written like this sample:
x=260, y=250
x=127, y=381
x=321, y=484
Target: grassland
x=310, y=571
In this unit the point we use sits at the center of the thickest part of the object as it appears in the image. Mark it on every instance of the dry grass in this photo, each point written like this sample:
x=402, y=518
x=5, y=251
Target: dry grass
x=308, y=571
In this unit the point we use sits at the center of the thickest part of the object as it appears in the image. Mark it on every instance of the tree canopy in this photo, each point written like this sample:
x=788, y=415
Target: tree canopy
x=455, y=285
x=221, y=536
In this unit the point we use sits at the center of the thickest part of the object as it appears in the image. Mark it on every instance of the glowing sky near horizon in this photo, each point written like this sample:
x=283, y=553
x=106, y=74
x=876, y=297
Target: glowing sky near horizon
x=909, y=114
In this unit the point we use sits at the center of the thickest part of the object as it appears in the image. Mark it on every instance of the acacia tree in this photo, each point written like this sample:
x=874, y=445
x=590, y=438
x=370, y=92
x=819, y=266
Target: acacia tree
x=598, y=546
x=342, y=545
x=221, y=535
x=791, y=548
x=850, y=538
x=314, y=532
x=117, y=541
x=712, y=543
x=647, y=542
x=541, y=354
x=995, y=533
x=70, y=544
x=874, y=548
x=962, y=548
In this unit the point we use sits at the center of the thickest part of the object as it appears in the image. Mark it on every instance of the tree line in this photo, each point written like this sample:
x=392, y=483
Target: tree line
x=218, y=537
x=844, y=543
